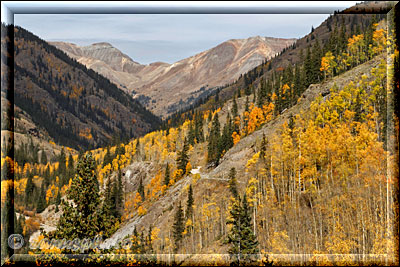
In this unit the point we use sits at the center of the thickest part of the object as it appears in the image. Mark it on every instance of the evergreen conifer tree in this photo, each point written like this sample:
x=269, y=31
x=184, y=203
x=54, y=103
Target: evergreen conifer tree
x=254, y=91
x=239, y=93
x=141, y=189
x=107, y=157
x=234, y=236
x=189, y=204
x=316, y=63
x=226, y=140
x=297, y=84
x=142, y=243
x=167, y=175
x=41, y=204
x=29, y=188
x=263, y=148
x=106, y=213
x=178, y=227
x=244, y=244
x=308, y=68
x=191, y=134
x=183, y=157
x=234, y=108
x=198, y=128
x=262, y=93
x=62, y=162
x=248, y=90
x=233, y=182
x=137, y=152
x=58, y=199
x=81, y=219
x=213, y=141
x=149, y=241
x=119, y=194
x=135, y=244
x=249, y=243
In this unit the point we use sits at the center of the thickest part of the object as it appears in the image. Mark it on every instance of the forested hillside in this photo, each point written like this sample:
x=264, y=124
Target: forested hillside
x=295, y=163
x=299, y=65
x=77, y=107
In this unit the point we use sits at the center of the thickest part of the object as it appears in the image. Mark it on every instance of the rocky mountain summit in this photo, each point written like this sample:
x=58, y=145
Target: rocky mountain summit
x=165, y=88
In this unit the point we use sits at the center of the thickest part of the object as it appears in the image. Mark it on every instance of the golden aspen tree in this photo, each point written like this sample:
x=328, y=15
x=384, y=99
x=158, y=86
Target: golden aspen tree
x=236, y=138
x=328, y=64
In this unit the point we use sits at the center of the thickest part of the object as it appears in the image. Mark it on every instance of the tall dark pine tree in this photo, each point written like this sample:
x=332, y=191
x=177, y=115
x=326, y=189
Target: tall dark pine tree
x=244, y=244
x=135, y=247
x=189, y=204
x=234, y=108
x=316, y=62
x=233, y=182
x=178, y=227
x=107, y=209
x=81, y=219
x=278, y=101
x=234, y=237
x=297, y=84
x=167, y=175
x=249, y=243
x=248, y=90
x=29, y=188
x=107, y=157
x=137, y=152
x=58, y=200
x=141, y=189
x=226, y=140
x=308, y=69
x=114, y=200
x=263, y=148
x=71, y=170
x=262, y=93
x=191, y=134
x=62, y=161
x=198, y=128
x=142, y=243
x=118, y=192
x=254, y=91
x=183, y=157
x=41, y=204
x=149, y=241
x=342, y=36
x=62, y=168
x=213, y=141
x=107, y=192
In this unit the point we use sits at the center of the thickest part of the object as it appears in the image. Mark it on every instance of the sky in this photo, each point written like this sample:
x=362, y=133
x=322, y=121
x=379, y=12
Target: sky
x=148, y=38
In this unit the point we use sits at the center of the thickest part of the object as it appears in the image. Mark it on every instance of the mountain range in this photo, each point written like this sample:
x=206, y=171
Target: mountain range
x=166, y=88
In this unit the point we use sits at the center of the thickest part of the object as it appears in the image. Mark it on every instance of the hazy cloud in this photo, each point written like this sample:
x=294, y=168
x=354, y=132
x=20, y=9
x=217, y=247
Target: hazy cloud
x=148, y=38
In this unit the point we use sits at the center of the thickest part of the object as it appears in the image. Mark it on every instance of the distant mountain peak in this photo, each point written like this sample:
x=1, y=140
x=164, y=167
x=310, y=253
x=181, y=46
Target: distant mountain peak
x=166, y=84
x=102, y=44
